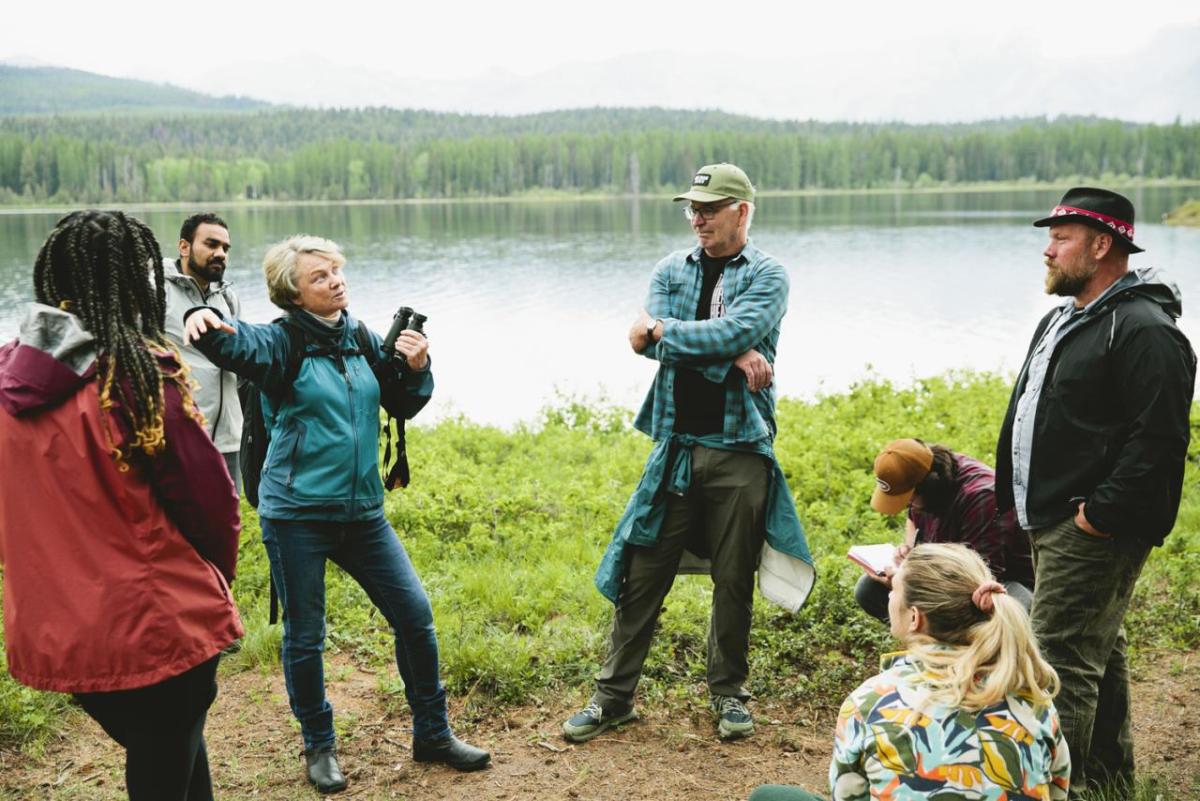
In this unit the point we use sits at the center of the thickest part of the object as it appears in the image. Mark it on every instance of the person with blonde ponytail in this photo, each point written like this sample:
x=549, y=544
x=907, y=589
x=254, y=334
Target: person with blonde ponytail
x=119, y=528
x=965, y=712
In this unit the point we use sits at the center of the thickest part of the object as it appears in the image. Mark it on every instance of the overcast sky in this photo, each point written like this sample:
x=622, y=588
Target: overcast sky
x=455, y=40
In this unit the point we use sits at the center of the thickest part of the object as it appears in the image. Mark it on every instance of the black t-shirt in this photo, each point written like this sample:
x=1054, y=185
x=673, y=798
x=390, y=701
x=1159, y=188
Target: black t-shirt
x=700, y=403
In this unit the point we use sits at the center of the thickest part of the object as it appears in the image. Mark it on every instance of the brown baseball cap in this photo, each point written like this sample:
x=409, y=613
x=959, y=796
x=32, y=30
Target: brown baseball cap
x=899, y=468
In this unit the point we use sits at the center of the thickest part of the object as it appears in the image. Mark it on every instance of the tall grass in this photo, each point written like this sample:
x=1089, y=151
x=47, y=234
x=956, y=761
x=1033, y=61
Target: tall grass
x=506, y=529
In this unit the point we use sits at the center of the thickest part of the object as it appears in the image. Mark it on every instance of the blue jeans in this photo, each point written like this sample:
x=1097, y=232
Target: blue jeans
x=371, y=553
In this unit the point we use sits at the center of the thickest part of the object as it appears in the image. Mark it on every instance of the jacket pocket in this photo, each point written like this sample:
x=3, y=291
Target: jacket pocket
x=217, y=577
x=1080, y=383
x=1079, y=532
x=294, y=454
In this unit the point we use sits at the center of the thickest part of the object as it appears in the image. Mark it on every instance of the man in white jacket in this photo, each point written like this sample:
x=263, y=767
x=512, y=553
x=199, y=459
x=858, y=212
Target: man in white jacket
x=196, y=278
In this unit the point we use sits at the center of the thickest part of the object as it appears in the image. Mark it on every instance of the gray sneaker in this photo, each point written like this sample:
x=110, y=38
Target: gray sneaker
x=594, y=720
x=733, y=719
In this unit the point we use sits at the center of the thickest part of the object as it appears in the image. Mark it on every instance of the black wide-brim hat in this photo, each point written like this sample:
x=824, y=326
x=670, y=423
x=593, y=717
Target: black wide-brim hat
x=1101, y=209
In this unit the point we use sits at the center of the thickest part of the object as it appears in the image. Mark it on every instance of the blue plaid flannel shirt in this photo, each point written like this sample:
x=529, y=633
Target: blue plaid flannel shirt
x=756, y=296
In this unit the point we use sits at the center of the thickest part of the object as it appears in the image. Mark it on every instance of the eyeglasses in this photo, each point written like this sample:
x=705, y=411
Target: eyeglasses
x=706, y=212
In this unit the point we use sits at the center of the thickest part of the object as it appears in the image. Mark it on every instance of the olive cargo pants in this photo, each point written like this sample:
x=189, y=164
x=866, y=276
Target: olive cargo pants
x=724, y=509
x=1084, y=584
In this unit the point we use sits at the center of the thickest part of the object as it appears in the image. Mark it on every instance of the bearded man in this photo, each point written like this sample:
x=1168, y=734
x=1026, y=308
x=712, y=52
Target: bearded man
x=1091, y=456
x=196, y=278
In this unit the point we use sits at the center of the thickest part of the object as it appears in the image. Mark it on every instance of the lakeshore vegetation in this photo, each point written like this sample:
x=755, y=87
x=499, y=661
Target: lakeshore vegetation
x=163, y=155
x=1186, y=214
x=507, y=527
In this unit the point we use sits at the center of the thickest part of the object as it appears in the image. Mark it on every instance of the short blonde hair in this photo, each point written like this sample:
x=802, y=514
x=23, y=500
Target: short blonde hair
x=279, y=265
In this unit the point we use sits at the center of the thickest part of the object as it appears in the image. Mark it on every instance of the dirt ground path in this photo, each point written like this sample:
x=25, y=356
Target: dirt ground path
x=254, y=748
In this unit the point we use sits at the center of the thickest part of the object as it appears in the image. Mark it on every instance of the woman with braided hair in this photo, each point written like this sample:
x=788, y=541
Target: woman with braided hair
x=119, y=542
x=965, y=712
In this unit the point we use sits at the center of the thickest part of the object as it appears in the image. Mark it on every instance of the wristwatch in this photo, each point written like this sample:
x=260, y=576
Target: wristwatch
x=650, y=326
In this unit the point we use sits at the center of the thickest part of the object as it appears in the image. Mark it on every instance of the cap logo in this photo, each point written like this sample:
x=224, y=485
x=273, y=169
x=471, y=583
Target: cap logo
x=701, y=179
x=883, y=485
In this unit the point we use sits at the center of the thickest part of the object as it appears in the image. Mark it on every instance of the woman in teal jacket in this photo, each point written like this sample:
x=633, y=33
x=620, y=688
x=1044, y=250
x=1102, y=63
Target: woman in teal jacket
x=321, y=496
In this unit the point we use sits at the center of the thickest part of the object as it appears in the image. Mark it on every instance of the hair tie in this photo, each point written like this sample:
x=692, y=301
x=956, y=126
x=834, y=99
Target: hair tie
x=982, y=597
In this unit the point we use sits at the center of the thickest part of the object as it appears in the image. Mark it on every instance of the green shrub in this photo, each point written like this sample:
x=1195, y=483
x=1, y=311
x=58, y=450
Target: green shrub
x=506, y=529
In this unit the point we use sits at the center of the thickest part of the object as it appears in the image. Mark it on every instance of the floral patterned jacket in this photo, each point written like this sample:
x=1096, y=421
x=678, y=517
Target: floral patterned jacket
x=890, y=746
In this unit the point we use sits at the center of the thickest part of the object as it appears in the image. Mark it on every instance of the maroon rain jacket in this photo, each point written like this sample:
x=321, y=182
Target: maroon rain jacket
x=113, y=579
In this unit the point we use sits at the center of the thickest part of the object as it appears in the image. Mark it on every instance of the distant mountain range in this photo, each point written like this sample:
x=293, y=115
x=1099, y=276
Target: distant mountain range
x=972, y=79
x=39, y=90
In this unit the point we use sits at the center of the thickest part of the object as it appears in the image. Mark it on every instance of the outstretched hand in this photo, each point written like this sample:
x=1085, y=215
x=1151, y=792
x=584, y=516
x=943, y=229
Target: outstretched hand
x=201, y=322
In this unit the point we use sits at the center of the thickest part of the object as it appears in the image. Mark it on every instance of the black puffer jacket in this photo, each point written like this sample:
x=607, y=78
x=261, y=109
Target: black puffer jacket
x=1111, y=426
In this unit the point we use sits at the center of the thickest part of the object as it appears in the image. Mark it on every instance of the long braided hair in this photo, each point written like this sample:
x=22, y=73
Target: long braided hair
x=105, y=267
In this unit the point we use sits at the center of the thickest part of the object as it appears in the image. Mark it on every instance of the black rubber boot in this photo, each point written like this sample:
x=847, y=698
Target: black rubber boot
x=451, y=751
x=323, y=769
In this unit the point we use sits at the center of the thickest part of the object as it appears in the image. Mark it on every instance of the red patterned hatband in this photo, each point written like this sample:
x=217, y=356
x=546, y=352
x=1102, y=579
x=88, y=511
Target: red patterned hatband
x=1120, y=226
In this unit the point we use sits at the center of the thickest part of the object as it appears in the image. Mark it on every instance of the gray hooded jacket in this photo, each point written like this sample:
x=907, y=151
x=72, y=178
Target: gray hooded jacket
x=217, y=396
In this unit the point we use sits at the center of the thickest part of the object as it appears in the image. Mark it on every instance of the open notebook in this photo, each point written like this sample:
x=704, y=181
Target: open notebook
x=873, y=558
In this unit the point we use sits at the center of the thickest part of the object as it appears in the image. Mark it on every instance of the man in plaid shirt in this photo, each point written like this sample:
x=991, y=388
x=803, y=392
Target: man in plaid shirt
x=712, y=486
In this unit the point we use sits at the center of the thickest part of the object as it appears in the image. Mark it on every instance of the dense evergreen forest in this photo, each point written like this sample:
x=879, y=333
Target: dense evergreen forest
x=290, y=154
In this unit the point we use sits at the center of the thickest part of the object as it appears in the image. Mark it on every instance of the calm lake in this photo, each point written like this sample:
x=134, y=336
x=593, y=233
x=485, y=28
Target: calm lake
x=530, y=300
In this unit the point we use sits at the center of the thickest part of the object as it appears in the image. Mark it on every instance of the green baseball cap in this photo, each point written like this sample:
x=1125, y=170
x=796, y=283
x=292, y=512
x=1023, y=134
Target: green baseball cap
x=717, y=182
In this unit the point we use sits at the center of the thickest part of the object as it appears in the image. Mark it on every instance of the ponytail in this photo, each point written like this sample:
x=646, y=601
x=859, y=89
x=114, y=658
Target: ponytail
x=971, y=658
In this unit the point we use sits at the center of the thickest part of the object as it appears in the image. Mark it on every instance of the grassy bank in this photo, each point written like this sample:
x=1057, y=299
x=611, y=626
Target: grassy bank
x=1187, y=214
x=506, y=529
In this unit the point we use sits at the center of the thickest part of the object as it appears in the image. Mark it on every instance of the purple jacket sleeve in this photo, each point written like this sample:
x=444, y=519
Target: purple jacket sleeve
x=190, y=480
x=972, y=519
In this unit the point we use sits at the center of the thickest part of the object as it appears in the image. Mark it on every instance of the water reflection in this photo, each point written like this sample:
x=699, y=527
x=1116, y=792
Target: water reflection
x=528, y=298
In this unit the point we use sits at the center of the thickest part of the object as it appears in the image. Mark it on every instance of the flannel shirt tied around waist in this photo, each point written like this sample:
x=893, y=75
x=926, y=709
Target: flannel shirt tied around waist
x=785, y=571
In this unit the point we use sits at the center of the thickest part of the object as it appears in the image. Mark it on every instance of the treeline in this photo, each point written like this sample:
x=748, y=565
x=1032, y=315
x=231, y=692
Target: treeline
x=382, y=153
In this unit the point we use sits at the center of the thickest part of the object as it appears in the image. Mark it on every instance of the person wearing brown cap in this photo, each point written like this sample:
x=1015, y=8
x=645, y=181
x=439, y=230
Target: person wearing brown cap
x=950, y=498
x=1091, y=456
x=711, y=486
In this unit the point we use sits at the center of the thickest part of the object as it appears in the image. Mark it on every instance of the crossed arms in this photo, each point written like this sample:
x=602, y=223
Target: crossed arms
x=712, y=347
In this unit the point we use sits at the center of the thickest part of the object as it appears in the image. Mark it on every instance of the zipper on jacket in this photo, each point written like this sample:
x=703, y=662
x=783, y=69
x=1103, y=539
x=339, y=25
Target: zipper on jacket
x=204, y=296
x=294, y=458
x=341, y=363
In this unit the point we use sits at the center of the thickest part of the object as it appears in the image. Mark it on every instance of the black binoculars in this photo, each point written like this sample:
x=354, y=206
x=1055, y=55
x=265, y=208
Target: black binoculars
x=404, y=319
